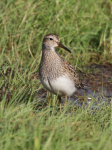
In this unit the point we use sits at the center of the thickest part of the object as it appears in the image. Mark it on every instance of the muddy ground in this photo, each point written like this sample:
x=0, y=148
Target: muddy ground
x=99, y=80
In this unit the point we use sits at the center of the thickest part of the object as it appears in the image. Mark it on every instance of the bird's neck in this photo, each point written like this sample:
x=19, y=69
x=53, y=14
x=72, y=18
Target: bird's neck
x=49, y=54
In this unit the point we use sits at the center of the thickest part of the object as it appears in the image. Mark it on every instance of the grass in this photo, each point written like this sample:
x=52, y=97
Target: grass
x=85, y=28
x=23, y=128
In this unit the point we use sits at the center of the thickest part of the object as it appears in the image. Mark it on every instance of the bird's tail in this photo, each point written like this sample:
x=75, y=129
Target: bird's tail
x=83, y=86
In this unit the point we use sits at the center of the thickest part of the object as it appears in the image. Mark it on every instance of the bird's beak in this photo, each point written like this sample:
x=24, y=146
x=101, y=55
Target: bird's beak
x=60, y=45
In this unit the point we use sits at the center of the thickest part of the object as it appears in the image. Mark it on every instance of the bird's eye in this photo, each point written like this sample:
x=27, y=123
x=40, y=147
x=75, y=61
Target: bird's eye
x=51, y=39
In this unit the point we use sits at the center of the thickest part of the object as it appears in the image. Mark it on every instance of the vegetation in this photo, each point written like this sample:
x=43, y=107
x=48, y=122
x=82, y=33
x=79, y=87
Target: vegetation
x=85, y=27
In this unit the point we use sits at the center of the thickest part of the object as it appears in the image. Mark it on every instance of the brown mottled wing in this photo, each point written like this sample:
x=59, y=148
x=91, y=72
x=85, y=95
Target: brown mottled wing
x=77, y=81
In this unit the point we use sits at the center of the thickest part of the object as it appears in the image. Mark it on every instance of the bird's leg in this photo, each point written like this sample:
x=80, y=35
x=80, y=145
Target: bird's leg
x=66, y=100
x=48, y=97
x=59, y=97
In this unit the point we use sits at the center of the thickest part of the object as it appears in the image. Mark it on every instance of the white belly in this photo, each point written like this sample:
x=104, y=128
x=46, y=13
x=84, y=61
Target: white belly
x=61, y=86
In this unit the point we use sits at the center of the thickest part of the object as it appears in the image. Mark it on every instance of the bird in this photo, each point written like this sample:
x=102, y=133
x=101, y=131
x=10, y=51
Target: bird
x=57, y=75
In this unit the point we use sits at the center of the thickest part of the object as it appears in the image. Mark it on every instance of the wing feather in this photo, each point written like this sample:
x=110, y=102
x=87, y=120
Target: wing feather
x=77, y=81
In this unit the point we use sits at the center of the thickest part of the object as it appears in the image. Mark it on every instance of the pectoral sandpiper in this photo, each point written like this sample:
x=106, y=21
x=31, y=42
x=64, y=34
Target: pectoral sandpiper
x=57, y=75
